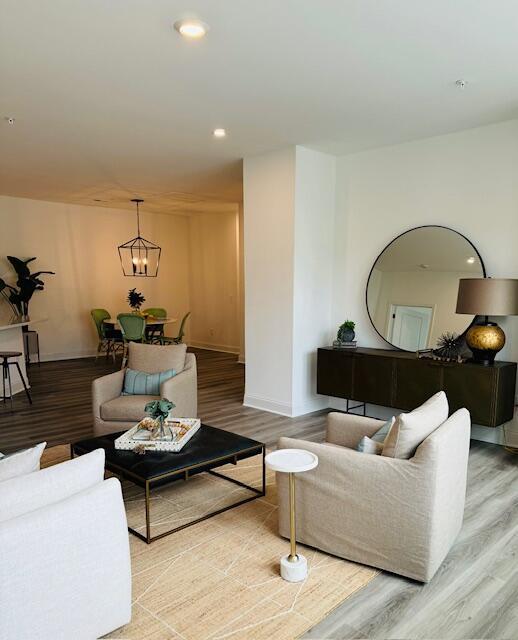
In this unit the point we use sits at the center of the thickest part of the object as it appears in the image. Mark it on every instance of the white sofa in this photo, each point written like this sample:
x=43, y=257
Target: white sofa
x=65, y=564
x=399, y=515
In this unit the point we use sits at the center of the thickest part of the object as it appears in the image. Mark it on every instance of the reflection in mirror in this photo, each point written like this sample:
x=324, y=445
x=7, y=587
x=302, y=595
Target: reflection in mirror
x=412, y=287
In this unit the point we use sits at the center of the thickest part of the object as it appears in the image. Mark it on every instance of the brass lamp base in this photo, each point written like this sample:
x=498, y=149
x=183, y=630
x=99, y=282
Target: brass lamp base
x=485, y=341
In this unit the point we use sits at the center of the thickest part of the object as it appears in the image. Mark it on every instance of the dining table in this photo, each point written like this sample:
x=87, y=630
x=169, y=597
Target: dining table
x=151, y=321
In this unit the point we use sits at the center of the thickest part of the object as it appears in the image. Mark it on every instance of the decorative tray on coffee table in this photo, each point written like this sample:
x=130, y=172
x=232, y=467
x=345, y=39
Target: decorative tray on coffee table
x=178, y=431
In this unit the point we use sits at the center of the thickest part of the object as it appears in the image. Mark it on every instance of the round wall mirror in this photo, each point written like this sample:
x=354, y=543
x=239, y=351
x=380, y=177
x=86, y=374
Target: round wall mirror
x=412, y=287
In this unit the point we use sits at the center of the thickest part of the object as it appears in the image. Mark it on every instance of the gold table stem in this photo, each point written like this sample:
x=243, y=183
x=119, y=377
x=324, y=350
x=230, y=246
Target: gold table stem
x=293, y=536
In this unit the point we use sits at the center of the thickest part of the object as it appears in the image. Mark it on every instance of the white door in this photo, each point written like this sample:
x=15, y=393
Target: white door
x=410, y=326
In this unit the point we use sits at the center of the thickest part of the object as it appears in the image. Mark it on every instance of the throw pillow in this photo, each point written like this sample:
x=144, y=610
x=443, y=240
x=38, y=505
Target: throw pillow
x=139, y=383
x=410, y=429
x=21, y=462
x=382, y=433
x=374, y=444
x=368, y=445
x=53, y=484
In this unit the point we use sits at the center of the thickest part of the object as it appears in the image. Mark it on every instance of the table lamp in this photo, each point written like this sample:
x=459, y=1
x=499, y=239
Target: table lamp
x=487, y=297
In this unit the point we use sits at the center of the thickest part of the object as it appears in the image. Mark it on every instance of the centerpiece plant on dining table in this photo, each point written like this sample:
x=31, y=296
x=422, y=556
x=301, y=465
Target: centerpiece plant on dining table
x=135, y=300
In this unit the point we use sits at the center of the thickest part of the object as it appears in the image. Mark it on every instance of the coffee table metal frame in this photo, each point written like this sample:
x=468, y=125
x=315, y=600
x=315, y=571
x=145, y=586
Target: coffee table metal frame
x=146, y=484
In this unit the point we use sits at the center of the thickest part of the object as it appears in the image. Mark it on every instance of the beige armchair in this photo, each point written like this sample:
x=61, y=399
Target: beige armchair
x=399, y=515
x=115, y=412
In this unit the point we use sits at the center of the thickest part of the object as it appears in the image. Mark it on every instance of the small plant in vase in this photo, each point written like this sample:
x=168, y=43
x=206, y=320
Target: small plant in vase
x=346, y=331
x=135, y=300
x=158, y=410
x=345, y=336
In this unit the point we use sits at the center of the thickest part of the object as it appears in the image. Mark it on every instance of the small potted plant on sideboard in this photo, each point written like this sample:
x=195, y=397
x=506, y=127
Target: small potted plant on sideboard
x=345, y=336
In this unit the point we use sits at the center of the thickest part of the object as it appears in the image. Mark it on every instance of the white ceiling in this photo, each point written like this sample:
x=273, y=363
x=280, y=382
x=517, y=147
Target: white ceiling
x=111, y=103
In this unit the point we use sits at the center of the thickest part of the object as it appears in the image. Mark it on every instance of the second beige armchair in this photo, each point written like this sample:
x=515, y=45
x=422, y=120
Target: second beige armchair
x=399, y=515
x=116, y=412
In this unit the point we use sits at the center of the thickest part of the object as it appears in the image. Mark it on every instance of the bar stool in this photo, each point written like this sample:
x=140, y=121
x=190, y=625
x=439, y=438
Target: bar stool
x=5, y=356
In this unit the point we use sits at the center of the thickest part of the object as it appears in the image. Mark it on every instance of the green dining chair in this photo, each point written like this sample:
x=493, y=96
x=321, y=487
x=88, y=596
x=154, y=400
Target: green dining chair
x=133, y=328
x=156, y=312
x=156, y=332
x=110, y=339
x=181, y=332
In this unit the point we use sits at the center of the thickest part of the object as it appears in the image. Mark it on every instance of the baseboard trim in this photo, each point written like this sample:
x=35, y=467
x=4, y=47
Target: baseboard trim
x=494, y=435
x=224, y=348
x=265, y=404
x=284, y=408
x=315, y=404
x=52, y=357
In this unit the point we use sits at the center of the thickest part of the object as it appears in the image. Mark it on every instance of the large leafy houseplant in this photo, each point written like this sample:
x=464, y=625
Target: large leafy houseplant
x=27, y=283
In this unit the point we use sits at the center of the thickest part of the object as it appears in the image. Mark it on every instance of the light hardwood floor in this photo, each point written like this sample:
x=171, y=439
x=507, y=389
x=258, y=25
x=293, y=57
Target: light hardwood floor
x=474, y=594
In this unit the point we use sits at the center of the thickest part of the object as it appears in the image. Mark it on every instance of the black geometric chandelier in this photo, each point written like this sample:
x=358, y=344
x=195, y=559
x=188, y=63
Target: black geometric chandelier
x=139, y=257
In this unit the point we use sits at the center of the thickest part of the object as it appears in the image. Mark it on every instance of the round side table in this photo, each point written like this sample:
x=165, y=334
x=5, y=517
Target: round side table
x=294, y=566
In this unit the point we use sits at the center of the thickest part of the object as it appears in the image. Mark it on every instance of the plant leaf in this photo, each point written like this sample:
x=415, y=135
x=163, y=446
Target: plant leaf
x=20, y=266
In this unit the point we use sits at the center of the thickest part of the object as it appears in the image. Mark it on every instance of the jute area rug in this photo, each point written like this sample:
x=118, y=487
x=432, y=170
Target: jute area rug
x=220, y=578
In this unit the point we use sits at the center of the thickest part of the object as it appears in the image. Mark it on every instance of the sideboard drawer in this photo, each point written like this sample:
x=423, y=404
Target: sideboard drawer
x=373, y=379
x=416, y=381
x=473, y=389
x=334, y=373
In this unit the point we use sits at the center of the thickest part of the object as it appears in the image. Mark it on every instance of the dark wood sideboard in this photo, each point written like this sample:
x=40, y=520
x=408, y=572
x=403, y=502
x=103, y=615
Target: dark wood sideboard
x=401, y=380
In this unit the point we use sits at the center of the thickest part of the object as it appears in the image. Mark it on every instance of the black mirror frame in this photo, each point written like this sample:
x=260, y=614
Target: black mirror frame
x=423, y=226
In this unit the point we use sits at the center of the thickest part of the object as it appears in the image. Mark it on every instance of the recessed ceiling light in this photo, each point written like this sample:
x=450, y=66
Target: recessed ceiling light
x=471, y=260
x=191, y=28
x=219, y=133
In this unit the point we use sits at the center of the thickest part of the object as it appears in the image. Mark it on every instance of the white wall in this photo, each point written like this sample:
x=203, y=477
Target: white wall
x=289, y=214
x=241, y=287
x=467, y=181
x=214, y=256
x=80, y=244
x=269, y=200
x=313, y=271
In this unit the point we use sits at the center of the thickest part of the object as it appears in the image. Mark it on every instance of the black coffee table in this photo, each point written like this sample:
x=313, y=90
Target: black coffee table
x=208, y=449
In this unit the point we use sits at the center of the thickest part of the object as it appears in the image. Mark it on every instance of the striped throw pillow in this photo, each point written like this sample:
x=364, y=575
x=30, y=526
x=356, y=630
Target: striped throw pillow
x=139, y=383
